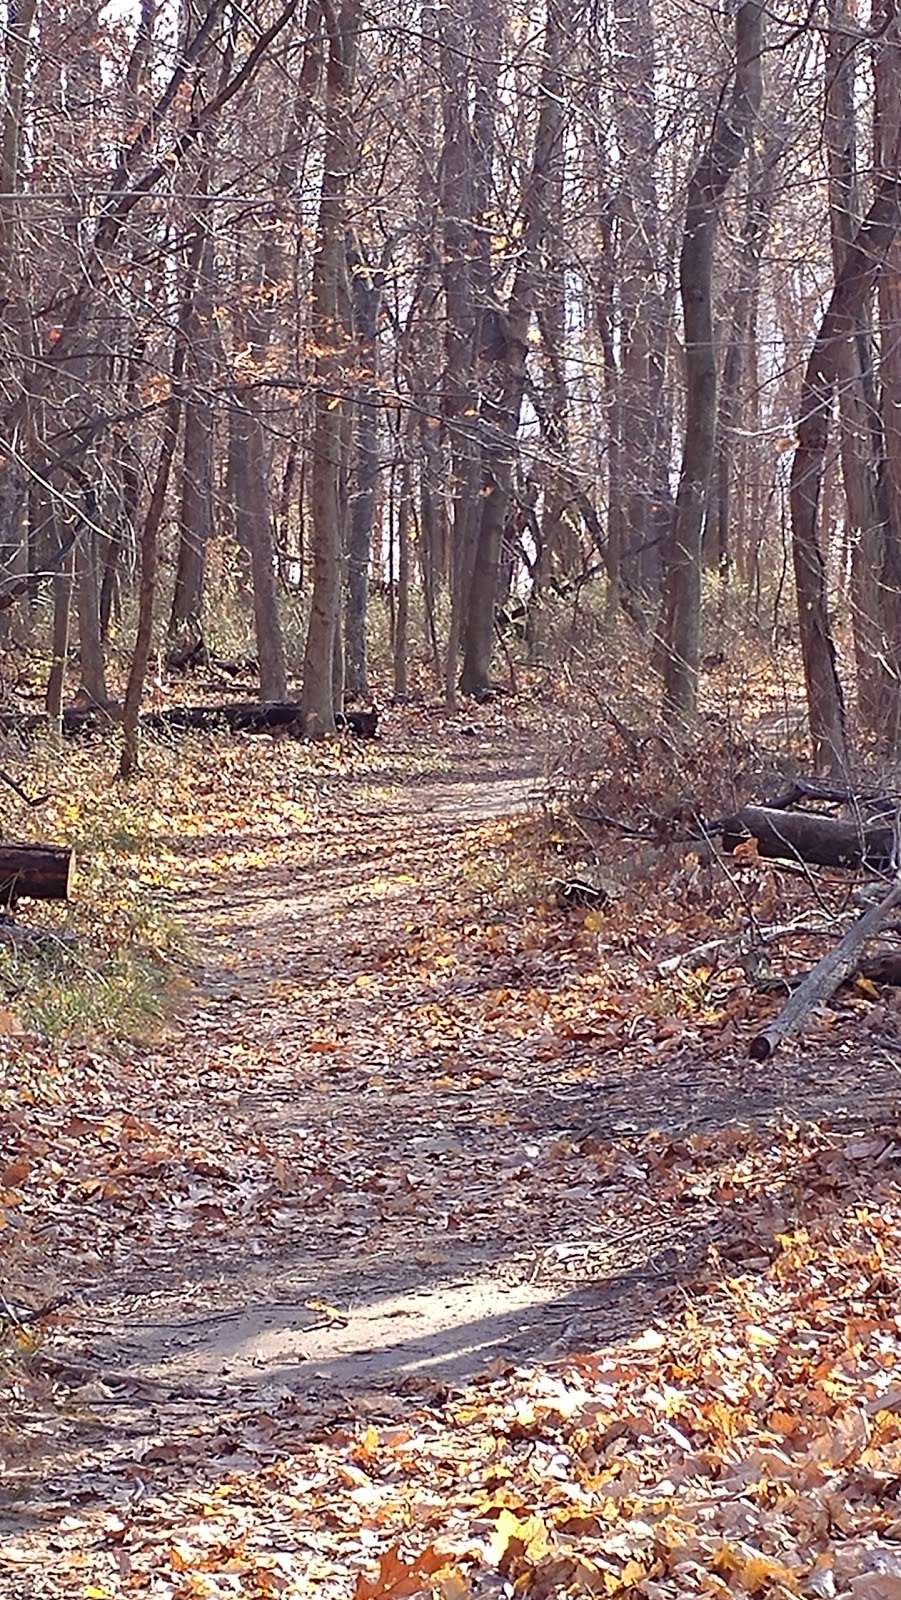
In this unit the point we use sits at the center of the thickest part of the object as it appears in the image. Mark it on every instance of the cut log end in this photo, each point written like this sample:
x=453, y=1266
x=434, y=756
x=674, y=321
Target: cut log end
x=35, y=872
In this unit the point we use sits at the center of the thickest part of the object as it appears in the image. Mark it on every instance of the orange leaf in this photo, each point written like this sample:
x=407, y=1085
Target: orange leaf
x=397, y=1577
x=15, y=1173
x=747, y=851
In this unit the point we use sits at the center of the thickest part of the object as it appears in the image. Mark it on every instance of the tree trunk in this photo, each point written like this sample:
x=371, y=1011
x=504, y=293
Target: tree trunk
x=18, y=34
x=887, y=73
x=810, y=836
x=330, y=338
x=504, y=344
x=432, y=530
x=254, y=524
x=252, y=452
x=34, y=872
x=90, y=643
x=128, y=467
x=860, y=465
x=59, y=646
x=402, y=615
x=709, y=181
x=839, y=327
x=366, y=292
x=196, y=515
x=149, y=544
x=823, y=979
x=461, y=154
x=720, y=543
x=642, y=472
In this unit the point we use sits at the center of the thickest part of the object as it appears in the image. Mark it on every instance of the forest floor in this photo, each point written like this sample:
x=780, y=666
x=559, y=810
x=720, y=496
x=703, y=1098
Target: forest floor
x=430, y=1251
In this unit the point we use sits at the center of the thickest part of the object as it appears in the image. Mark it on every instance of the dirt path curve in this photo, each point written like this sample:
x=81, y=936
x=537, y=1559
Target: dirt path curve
x=363, y=1179
x=370, y=1161
x=362, y=1274
x=364, y=1182
x=349, y=1151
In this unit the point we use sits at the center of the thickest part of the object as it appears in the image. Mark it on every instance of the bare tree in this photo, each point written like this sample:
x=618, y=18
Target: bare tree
x=721, y=156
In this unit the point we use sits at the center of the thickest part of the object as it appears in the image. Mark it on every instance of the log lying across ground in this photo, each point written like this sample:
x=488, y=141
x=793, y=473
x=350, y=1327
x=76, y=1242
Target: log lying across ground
x=809, y=836
x=241, y=716
x=252, y=716
x=35, y=872
x=196, y=656
x=822, y=980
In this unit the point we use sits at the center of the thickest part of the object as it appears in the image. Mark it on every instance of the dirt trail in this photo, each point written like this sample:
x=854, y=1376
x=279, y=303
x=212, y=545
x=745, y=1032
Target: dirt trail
x=386, y=1147
x=411, y=1233
x=291, y=964
x=355, y=1171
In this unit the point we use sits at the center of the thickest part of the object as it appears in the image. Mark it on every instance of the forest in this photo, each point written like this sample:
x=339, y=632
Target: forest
x=450, y=773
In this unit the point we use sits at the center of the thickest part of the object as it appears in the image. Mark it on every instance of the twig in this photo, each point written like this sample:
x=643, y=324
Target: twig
x=601, y=818
x=22, y=1319
x=38, y=800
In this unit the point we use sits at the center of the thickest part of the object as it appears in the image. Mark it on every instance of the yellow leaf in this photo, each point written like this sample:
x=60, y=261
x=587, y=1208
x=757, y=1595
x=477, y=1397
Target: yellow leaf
x=760, y=1338
x=651, y=1339
x=334, y=1313
x=515, y=1537
x=633, y=1572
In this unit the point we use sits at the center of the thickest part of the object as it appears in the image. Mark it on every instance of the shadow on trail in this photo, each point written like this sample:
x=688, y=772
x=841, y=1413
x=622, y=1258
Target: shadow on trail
x=372, y=1273
x=187, y=1435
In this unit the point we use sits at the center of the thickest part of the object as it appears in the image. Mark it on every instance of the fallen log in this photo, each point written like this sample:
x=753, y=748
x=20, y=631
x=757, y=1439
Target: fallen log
x=833, y=793
x=252, y=716
x=197, y=656
x=808, y=836
x=882, y=968
x=35, y=872
x=240, y=716
x=823, y=979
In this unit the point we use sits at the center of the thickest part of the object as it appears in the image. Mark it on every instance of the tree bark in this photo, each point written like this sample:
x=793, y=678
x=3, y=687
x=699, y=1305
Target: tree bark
x=505, y=343
x=366, y=292
x=331, y=339
x=149, y=543
x=253, y=452
x=402, y=614
x=90, y=642
x=859, y=456
x=252, y=716
x=839, y=327
x=59, y=645
x=465, y=156
x=643, y=470
x=196, y=513
x=823, y=980
x=35, y=872
x=709, y=182
x=719, y=540
x=809, y=836
x=887, y=116
x=18, y=34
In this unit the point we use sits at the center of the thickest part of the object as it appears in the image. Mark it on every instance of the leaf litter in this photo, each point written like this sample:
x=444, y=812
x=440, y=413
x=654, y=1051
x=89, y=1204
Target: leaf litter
x=442, y=1245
